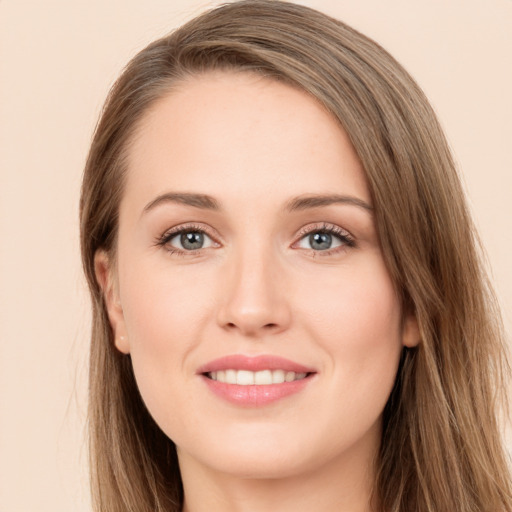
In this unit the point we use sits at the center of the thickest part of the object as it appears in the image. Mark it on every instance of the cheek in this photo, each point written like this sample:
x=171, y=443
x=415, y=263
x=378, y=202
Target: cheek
x=355, y=319
x=353, y=302
x=355, y=316
x=165, y=313
x=162, y=304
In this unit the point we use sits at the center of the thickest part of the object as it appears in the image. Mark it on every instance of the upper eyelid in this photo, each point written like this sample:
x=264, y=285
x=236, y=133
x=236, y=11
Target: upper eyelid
x=322, y=226
x=176, y=230
x=339, y=232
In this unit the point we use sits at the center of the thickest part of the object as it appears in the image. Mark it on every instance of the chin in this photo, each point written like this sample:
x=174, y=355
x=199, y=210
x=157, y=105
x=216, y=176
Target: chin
x=268, y=459
x=260, y=467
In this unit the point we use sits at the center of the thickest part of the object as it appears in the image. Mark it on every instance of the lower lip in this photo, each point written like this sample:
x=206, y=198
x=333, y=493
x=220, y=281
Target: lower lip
x=254, y=395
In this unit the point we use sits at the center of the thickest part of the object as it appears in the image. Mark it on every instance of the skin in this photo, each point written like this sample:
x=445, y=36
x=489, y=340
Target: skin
x=257, y=286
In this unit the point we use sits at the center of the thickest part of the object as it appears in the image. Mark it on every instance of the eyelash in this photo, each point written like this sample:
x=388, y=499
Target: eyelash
x=172, y=233
x=346, y=238
x=331, y=229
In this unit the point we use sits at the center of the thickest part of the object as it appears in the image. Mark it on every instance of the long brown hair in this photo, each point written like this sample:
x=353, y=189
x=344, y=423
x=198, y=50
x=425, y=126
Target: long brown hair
x=441, y=449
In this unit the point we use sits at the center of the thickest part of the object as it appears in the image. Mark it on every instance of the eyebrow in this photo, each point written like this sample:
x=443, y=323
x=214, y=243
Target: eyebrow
x=202, y=201
x=315, y=201
x=300, y=203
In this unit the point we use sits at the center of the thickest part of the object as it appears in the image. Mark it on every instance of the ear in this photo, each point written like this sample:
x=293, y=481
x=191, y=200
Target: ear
x=410, y=331
x=107, y=279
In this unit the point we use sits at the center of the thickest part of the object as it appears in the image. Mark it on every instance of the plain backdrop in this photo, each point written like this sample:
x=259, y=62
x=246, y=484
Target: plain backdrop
x=58, y=59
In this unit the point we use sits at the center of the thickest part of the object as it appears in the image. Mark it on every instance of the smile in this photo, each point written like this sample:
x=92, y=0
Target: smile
x=260, y=378
x=255, y=381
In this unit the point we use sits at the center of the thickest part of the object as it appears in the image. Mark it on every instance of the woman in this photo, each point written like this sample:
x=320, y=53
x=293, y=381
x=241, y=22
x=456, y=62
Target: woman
x=288, y=306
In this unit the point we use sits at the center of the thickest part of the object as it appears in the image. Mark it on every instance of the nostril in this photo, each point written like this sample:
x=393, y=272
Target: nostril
x=266, y=327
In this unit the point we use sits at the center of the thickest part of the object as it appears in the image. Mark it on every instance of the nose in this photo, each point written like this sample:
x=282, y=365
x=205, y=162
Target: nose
x=254, y=297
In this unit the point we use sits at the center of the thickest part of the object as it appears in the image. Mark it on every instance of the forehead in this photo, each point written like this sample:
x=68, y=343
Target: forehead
x=236, y=134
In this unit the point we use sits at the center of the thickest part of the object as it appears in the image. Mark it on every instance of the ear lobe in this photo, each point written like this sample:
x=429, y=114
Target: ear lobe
x=105, y=275
x=410, y=331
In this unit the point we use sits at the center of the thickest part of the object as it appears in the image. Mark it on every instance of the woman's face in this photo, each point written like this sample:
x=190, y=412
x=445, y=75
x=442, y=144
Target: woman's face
x=248, y=256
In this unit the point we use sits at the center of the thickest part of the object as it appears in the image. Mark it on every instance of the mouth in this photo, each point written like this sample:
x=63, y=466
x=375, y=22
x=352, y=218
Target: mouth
x=255, y=381
x=259, y=378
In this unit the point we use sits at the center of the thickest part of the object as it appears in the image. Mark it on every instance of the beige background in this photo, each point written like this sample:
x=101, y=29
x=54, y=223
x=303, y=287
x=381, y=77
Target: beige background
x=57, y=61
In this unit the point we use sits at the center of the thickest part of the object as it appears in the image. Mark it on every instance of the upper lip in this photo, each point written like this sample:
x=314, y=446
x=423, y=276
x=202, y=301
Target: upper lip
x=254, y=364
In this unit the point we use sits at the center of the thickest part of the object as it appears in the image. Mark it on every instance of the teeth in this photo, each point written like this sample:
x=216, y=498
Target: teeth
x=261, y=378
x=278, y=376
x=244, y=378
x=230, y=376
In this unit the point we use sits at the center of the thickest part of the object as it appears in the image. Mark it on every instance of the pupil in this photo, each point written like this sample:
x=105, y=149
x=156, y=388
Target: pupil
x=320, y=241
x=192, y=240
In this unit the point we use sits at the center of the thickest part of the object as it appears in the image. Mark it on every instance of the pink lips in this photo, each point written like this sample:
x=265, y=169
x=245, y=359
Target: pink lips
x=253, y=364
x=254, y=395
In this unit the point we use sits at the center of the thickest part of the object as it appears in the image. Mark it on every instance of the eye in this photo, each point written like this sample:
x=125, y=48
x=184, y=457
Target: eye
x=190, y=240
x=186, y=239
x=327, y=238
x=320, y=241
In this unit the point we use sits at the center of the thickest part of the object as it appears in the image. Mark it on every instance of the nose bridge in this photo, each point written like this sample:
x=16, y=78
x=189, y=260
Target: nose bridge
x=254, y=301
